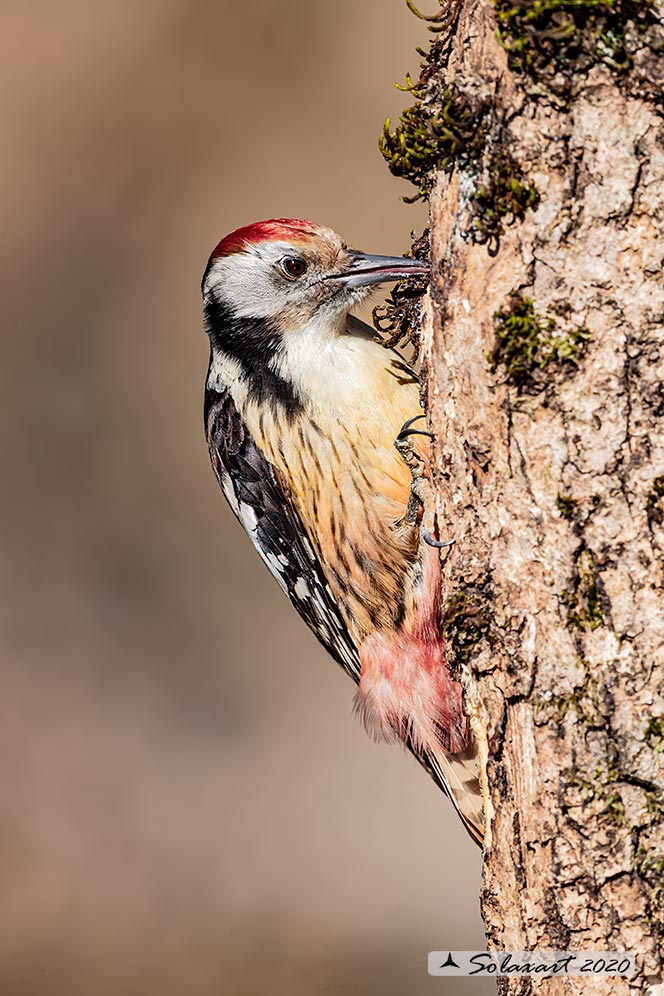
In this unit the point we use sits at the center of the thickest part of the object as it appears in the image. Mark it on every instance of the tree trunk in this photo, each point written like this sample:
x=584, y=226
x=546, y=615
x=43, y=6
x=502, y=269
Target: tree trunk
x=538, y=134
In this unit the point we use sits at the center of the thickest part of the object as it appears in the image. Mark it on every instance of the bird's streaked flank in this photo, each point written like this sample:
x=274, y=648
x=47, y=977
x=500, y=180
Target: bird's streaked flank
x=302, y=411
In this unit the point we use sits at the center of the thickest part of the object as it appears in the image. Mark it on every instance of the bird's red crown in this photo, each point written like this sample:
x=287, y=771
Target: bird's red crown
x=275, y=229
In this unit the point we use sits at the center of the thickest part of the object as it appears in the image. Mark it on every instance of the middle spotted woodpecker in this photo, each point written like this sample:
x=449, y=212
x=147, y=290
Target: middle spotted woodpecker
x=302, y=411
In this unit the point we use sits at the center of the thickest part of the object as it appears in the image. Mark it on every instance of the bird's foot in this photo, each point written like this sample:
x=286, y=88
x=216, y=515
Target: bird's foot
x=418, y=466
x=420, y=493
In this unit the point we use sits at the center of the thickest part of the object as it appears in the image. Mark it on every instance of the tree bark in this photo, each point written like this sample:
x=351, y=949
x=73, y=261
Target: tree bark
x=543, y=359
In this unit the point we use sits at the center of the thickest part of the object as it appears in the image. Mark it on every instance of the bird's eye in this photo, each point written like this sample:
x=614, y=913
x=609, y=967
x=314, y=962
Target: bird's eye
x=294, y=266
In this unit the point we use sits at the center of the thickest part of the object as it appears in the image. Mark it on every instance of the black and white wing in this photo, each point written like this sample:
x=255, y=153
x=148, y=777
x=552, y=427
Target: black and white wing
x=253, y=490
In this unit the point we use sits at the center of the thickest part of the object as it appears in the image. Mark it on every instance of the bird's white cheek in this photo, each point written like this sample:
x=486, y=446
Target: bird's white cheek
x=246, y=286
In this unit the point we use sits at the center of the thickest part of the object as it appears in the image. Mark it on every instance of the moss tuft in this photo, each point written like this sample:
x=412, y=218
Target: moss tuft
x=650, y=867
x=437, y=21
x=447, y=128
x=432, y=137
x=566, y=506
x=654, y=734
x=542, y=37
x=502, y=198
x=527, y=343
x=654, y=504
x=654, y=810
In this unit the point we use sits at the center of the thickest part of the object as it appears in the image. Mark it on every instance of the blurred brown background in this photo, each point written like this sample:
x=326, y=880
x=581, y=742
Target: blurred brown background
x=188, y=806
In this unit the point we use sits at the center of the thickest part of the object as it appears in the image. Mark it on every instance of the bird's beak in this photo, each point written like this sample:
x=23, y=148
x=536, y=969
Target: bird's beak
x=365, y=270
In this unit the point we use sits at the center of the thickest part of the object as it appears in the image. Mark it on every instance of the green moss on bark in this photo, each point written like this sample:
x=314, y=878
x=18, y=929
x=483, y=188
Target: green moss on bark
x=650, y=868
x=502, y=197
x=583, y=601
x=597, y=790
x=528, y=343
x=566, y=506
x=543, y=37
x=588, y=702
x=654, y=503
x=432, y=136
x=654, y=734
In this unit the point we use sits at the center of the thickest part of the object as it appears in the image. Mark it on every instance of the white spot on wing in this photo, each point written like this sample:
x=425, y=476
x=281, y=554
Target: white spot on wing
x=229, y=492
x=248, y=518
x=272, y=564
x=302, y=588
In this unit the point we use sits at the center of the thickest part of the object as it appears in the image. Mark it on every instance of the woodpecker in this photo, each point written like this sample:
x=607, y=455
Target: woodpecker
x=302, y=410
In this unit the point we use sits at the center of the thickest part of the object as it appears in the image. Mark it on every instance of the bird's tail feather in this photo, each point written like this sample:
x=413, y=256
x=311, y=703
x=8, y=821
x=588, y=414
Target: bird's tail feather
x=459, y=777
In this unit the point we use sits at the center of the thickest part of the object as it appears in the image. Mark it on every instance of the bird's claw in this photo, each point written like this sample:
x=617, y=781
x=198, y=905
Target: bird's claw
x=406, y=430
x=438, y=544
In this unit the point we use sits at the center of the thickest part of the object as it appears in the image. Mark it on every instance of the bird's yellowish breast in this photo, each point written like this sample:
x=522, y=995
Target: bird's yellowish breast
x=351, y=488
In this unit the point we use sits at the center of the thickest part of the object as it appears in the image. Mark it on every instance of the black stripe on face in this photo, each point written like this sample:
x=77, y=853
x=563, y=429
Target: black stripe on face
x=252, y=342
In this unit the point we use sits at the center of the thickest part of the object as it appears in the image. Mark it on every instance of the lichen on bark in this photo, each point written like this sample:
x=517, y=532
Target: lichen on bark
x=548, y=462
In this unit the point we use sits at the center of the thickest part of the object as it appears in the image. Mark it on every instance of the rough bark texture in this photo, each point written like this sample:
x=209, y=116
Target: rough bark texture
x=543, y=351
